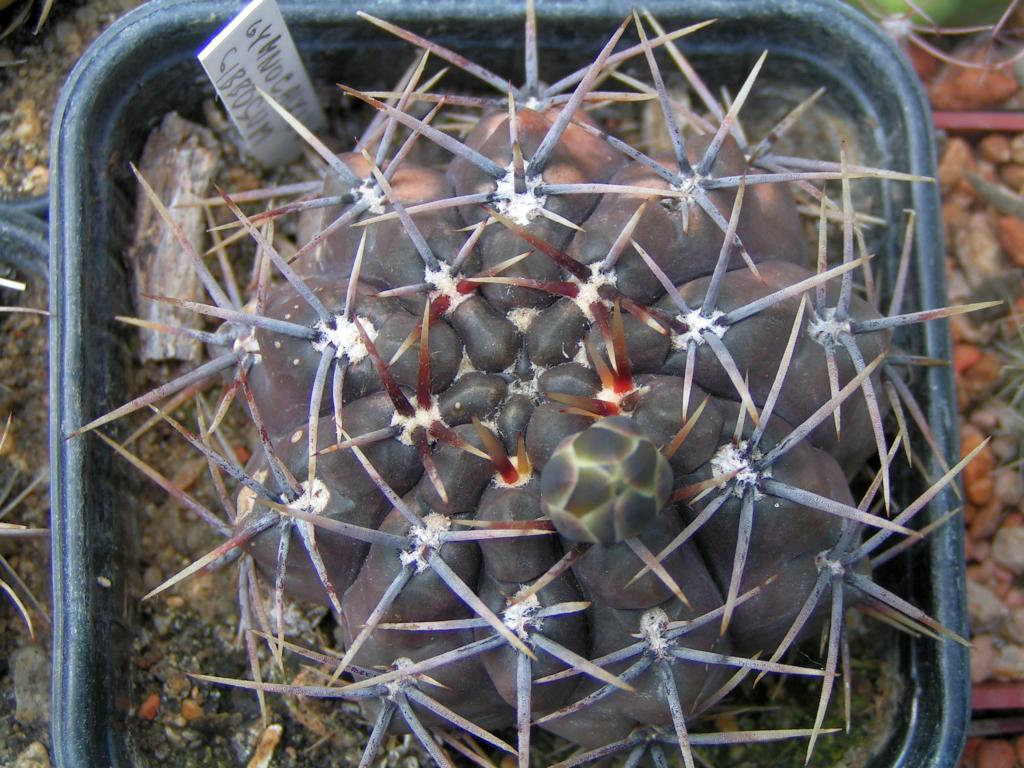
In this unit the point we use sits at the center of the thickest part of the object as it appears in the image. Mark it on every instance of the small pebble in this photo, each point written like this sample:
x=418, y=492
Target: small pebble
x=152, y=577
x=965, y=88
x=980, y=549
x=995, y=148
x=27, y=127
x=988, y=171
x=979, y=247
x=1010, y=231
x=1001, y=583
x=1015, y=599
x=978, y=383
x=31, y=673
x=996, y=753
x=1012, y=175
x=964, y=356
x=983, y=463
x=86, y=16
x=1017, y=148
x=980, y=491
x=985, y=420
x=924, y=63
x=984, y=608
x=63, y=30
x=956, y=161
x=1009, y=663
x=34, y=756
x=1008, y=549
x=177, y=684
x=986, y=520
x=1008, y=487
x=969, y=759
x=982, y=572
x=1004, y=447
x=1015, y=626
x=983, y=656
x=150, y=706
x=955, y=213
x=191, y=709
x=36, y=181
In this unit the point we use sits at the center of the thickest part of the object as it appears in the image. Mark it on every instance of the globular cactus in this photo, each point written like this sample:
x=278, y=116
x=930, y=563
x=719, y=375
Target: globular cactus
x=561, y=431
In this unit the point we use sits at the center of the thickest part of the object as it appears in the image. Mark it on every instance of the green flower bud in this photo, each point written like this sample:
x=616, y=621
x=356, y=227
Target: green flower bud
x=604, y=484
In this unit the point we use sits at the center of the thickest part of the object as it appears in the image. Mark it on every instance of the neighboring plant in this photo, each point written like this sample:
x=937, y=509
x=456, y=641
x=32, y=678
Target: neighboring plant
x=14, y=14
x=10, y=583
x=560, y=431
x=922, y=26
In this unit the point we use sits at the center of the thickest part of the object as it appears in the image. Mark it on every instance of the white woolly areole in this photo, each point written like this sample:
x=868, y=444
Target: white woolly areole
x=731, y=458
x=465, y=365
x=422, y=417
x=369, y=193
x=444, y=284
x=897, y=25
x=697, y=324
x=653, y=625
x=590, y=291
x=313, y=499
x=343, y=335
x=581, y=356
x=424, y=540
x=684, y=192
x=522, y=317
x=519, y=386
x=522, y=617
x=824, y=563
x=249, y=345
x=611, y=396
x=827, y=327
x=399, y=684
x=521, y=207
x=524, y=477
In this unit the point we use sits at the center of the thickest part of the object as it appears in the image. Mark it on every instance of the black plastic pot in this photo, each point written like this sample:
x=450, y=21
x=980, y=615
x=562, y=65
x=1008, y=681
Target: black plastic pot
x=38, y=206
x=145, y=66
x=24, y=240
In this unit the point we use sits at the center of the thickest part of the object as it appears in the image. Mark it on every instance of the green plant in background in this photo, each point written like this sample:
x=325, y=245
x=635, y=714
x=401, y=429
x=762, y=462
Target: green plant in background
x=923, y=25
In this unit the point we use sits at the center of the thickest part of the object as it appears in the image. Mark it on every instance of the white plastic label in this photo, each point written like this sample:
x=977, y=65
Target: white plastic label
x=256, y=52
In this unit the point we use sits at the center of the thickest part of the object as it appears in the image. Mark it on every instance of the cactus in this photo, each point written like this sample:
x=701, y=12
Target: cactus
x=562, y=432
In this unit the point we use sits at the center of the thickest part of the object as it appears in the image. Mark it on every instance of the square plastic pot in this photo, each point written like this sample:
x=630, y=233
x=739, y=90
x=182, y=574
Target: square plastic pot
x=144, y=66
x=24, y=242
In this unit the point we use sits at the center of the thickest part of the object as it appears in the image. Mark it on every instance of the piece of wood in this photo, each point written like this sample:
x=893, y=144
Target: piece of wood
x=179, y=161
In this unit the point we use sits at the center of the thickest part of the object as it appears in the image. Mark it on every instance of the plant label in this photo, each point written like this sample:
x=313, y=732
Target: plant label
x=257, y=72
